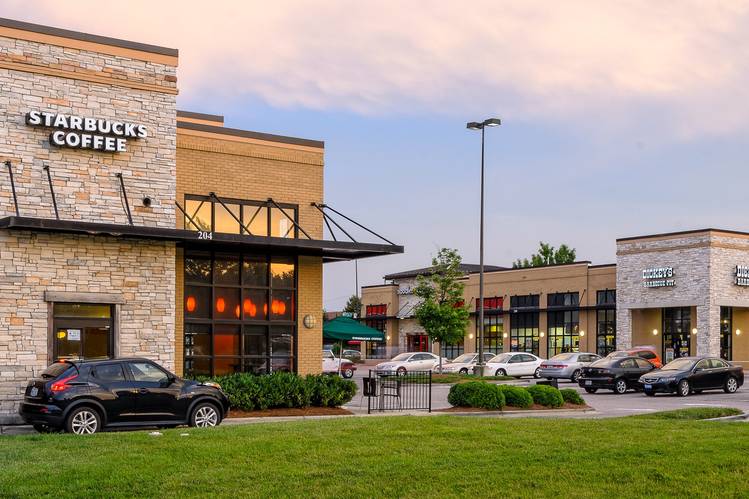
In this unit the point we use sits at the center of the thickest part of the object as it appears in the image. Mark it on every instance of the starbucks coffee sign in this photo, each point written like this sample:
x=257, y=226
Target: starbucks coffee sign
x=658, y=277
x=741, y=275
x=78, y=132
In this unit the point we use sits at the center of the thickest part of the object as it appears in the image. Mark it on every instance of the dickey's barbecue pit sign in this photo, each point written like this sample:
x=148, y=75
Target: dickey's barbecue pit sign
x=78, y=132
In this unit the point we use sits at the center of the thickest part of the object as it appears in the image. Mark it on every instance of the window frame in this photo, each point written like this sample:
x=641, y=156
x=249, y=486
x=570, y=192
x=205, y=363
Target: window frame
x=569, y=326
x=77, y=322
x=605, y=319
x=525, y=326
x=494, y=338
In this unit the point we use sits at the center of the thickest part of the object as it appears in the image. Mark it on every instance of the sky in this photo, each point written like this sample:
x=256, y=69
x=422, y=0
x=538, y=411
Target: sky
x=618, y=118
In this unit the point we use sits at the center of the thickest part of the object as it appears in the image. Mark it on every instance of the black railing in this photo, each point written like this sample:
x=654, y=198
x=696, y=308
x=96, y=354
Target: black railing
x=388, y=391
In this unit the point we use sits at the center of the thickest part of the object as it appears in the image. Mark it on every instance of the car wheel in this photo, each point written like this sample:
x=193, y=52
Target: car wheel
x=591, y=390
x=500, y=372
x=347, y=373
x=576, y=376
x=731, y=386
x=205, y=415
x=684, y=388
x=537, y=373
x=463, y=371
x=620, y=386
x=401, y=371
x=83, y=421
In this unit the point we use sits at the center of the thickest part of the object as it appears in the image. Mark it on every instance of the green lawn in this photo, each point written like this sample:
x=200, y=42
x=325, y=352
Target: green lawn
x=430, y=457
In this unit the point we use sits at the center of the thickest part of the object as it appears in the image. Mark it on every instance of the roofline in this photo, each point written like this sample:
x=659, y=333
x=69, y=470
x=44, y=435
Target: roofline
x=602, y=265
x=235, y=132
x=416, y=272
x=683, y=233
x=379, y=285
x=200, y=116
x=87, y=37
x=554, y=265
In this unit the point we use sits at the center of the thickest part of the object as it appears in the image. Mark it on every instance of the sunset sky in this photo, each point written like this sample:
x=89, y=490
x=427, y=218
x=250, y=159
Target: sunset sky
x=619, y=118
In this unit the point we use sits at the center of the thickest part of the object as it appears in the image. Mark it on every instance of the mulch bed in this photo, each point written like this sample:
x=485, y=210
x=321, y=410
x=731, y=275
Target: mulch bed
x=534, y=407
x=307, y=411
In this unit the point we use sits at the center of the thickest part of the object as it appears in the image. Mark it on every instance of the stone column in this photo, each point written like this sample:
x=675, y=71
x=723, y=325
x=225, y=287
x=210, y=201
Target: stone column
x=623, y=328
x=708, y=330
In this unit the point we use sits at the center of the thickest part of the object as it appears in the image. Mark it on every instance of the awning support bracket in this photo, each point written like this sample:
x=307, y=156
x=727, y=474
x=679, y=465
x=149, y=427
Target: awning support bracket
x=192, y=221
x=124, y=195
x=214, y=196
x=13, y=186
x=327, y=217
x=52, y=191
x=270, y=200
x=358, y=224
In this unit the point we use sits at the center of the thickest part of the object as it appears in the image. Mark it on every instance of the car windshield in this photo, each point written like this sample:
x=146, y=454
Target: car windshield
x=563, y=356
x=500, y=359
x=466, y=357
x=606, y=362
x=401, y=357
x=678, y=365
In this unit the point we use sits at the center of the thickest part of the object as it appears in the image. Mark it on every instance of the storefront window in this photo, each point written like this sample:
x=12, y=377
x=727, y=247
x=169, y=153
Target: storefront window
x=606, y=332
x=493, y=334
x=452, y=351
x=260, y=218
x=82, y=331
x=726, y=333
x=563, y=335
x=524, y=332
x=239, y=313
x=677, y=330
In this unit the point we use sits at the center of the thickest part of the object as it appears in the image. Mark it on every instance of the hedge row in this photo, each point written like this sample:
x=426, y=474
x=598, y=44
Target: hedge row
x=250, y=392
x=489, y=396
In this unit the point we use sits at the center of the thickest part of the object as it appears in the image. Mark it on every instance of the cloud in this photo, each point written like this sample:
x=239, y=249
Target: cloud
x=685, y=64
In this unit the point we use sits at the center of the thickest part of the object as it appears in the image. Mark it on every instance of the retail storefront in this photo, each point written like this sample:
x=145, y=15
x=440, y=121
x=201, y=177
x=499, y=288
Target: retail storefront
x=683, y=293
x=128, y=228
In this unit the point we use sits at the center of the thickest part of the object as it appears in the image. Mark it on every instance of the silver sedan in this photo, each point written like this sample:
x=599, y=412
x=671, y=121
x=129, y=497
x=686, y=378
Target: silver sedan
x=567, y=365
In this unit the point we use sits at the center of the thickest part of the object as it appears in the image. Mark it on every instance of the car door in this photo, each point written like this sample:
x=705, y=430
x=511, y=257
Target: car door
x=529, y=363
x=515, y=365
x=629, y=371
x=158, y=394
x=328, y=362
x=700, y=378
x=115, y=392
x=643, y=367
x=718, y=373
x=425, y=361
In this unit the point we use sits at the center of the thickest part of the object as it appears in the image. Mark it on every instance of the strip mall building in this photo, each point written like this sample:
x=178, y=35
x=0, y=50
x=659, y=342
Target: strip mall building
x=684, y=293
x=128, y=228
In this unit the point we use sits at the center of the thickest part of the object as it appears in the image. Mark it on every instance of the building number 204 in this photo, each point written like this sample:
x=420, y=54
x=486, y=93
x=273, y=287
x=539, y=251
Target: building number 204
x=205, y=235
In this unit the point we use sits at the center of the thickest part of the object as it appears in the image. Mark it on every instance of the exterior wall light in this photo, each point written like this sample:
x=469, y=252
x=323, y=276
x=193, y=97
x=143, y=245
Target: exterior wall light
x=388, y=337
x=309, y=321
x=582, y=333
x=694, y=332
x=504, y=335
x=470, y=336
x=541, y=334
x=738, y=332
x=655, y=332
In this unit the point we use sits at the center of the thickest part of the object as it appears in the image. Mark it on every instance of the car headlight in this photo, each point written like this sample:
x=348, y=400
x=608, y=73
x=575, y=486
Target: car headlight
x=211, y=383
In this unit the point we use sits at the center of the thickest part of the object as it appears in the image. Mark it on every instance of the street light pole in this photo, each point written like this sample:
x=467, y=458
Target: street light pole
x=481, y=126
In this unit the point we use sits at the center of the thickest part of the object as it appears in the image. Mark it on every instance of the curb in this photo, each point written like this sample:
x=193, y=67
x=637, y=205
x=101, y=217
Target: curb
x=738, y=417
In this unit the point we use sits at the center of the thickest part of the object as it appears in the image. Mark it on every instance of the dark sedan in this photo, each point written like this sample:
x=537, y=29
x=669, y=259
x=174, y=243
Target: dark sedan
x=86, y=396
x=692, y=375
x=614, y=373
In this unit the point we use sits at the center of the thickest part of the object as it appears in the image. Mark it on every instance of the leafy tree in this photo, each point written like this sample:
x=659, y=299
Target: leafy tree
x=353, y=306
x=547, y=255
x=442, y=311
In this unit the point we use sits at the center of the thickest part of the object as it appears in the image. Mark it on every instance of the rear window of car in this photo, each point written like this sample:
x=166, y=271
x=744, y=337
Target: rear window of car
x=57, y=369
x=646, y=354
x=109, y=372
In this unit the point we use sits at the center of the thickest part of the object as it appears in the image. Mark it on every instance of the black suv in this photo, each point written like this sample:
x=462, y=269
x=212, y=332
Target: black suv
x=85, y=396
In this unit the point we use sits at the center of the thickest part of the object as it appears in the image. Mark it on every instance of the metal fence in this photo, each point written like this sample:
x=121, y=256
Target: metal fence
x=388, y=391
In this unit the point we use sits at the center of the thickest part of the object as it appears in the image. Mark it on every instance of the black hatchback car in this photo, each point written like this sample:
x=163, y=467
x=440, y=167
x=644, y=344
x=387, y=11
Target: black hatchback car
x=614, y=373
x=86, y=396
x=687, y=375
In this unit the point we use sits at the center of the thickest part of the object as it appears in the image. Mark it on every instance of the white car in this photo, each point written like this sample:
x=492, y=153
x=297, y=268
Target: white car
x=514, y=364
x=331, y=363
x=410, y=361
x=463, y=364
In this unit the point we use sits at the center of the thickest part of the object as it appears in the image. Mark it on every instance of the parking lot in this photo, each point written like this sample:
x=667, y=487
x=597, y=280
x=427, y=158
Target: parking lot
x=605, y=403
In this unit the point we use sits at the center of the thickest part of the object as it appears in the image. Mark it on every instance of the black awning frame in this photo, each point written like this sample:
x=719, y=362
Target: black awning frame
x=330, y=251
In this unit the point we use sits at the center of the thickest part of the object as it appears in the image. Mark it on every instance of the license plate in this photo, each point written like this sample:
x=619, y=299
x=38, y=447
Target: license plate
x=34, y=391
x=588, y=382
x=648, y=387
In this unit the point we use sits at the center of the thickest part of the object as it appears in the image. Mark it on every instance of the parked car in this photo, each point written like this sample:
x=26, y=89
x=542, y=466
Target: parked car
x=87, y=396
x=352, y=355
x=567, y=365
x=463, y=364
x=334, y=365
x=410, y=361
x=647, y=353
x=618, y=374
x=514, y=364
x=687, y=375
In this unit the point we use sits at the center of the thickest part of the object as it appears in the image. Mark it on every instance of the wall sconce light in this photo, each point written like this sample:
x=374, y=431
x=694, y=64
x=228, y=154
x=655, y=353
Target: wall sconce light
x=738, y=332
x=470, y=336
x=542, y=334
x=504, y=335
x=388, y=337
x=582, y=333
x=694, y=331
x=309, y=321
x=655, y=332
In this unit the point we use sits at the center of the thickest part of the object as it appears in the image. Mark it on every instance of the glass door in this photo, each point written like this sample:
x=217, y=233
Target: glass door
x=676, y=332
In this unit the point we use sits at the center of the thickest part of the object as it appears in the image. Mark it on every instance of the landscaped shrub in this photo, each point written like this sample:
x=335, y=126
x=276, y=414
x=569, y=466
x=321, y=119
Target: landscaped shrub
x=516, y=396
x=570, y=395
x=546, y=395
x=476, y=394
x=250, y=392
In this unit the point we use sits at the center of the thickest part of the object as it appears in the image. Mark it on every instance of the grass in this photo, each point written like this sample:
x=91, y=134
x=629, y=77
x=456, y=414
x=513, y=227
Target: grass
x=439, y=456
x=692, y=413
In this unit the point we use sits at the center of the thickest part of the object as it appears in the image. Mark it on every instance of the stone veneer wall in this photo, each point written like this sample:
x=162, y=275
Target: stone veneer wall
x=140, y=273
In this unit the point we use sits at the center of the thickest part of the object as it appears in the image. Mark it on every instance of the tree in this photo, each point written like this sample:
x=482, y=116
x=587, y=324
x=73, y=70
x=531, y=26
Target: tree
x=547, y=256
x=442, y=311
x=353, y=306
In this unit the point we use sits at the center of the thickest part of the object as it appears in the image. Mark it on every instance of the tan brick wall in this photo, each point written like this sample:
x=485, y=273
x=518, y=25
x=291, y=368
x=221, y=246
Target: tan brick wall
x=309, y=341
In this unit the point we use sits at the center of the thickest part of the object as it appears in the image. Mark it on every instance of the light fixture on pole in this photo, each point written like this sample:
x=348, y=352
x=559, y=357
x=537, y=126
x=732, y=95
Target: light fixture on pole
x=475, y=125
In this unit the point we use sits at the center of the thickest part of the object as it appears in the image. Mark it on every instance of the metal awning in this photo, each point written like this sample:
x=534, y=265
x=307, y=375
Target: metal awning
x=330, y=251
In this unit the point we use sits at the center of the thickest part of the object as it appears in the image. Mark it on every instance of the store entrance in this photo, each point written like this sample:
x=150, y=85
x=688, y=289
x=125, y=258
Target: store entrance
x=418, y=343
x=677, y=333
